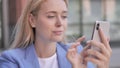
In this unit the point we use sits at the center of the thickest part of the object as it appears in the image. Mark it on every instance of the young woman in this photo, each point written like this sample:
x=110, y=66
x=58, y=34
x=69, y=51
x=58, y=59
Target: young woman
x=39, y=34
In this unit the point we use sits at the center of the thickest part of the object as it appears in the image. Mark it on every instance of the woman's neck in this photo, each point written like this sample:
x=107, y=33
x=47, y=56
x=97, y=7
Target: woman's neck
x=44, y=49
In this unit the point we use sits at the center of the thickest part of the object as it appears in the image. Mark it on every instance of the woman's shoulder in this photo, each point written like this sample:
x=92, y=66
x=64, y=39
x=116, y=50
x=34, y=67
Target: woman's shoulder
x=11, y=57
x=17, y=57
x=12, y=54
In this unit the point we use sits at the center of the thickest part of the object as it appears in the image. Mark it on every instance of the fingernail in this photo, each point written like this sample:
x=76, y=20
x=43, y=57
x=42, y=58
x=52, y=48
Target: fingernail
x=88, y=42
x=83, y=36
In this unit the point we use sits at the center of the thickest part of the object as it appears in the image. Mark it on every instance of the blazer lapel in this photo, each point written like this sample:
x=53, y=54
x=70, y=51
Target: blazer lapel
x=32, y=61
x=31, y=57
x=62, y=60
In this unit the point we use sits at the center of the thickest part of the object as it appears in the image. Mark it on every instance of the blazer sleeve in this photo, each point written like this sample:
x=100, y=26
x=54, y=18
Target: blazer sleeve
x=6, y=61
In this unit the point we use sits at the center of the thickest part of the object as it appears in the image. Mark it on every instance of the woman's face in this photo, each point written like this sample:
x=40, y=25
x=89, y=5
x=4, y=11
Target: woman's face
x=51, y=21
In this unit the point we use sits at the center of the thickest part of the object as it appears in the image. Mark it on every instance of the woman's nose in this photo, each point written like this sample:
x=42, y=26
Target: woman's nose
x=59, y=22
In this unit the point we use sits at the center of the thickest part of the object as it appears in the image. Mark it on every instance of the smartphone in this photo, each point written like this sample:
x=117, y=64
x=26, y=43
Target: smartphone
x=105, y=26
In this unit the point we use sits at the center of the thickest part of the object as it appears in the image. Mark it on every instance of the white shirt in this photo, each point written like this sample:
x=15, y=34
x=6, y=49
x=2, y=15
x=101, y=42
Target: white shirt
x=50, y=62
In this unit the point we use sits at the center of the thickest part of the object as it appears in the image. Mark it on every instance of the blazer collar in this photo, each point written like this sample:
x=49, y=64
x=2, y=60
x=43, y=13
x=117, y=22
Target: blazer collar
x=61, y=53
x=31, y=56
x=61, y=56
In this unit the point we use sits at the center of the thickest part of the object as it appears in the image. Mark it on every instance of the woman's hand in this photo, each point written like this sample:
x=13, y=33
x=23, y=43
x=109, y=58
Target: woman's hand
x=101, y=58
x=75, y=58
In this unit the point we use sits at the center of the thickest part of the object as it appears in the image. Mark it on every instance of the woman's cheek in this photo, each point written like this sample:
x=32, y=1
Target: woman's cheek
x=65, y=27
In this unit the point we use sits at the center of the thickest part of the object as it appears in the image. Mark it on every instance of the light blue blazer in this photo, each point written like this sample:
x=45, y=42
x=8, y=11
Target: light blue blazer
x=27, y=58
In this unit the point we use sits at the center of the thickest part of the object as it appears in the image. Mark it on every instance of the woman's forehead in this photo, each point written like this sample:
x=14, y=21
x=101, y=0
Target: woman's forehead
x=54, y=5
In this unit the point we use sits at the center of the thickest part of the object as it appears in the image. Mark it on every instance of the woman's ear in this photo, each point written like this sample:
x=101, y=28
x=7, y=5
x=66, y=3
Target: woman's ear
x=32, y=20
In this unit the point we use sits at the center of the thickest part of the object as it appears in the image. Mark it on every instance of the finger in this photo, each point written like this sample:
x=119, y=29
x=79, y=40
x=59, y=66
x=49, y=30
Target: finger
x=74, y=45
x=83, y=54
x=77, y=43
x=101, y=47
x=108, y=39
x=103, y=38
x=80, y=39
x=87, y=46
x=96, y=54
x=71, y=52
x=95, y=61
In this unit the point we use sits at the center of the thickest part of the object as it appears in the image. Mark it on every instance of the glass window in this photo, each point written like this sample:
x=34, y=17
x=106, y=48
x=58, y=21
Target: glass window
x=117, y=10
x=73, y=18
x=92, y=11
x=74, y=11
x=113, y=15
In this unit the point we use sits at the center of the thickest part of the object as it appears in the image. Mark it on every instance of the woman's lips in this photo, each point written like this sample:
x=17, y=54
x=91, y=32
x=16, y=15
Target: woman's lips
x=57, y=32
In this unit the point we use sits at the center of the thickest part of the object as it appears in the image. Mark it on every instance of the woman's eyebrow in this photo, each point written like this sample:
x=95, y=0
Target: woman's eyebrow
x=65, y=12
x=56, y=12
x=51, y=12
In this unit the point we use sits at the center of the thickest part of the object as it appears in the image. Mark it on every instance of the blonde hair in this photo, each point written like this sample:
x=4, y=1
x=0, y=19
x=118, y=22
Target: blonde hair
x=23, y=33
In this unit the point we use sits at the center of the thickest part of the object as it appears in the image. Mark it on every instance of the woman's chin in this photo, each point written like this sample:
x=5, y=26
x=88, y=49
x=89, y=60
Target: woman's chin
x=58, y=39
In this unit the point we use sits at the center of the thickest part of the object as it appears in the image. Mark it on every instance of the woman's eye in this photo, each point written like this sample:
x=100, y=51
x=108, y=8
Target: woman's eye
x=64, y=17
x=50, y=16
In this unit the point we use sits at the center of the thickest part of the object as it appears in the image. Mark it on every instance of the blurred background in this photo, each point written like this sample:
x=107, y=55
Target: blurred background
x=82, y=16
